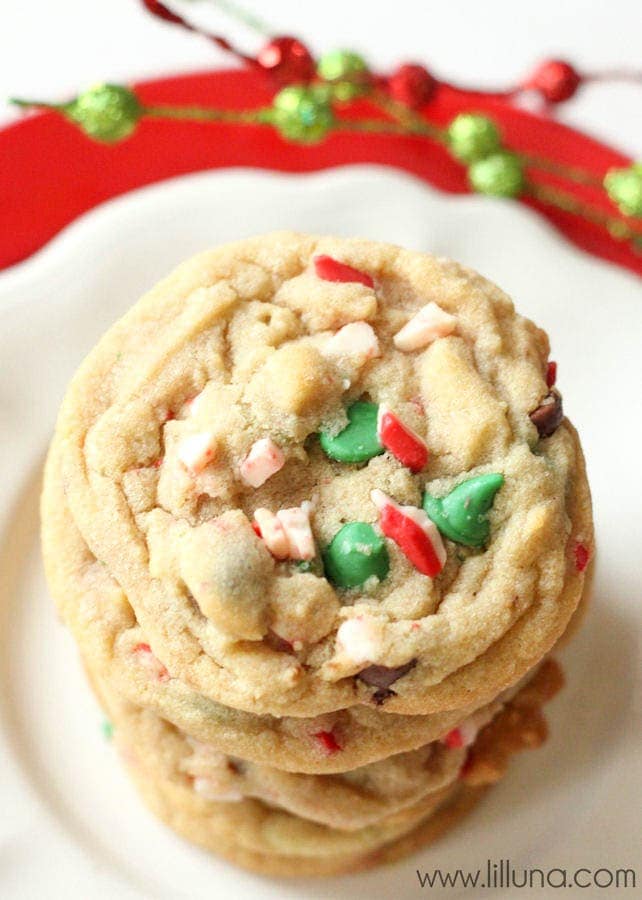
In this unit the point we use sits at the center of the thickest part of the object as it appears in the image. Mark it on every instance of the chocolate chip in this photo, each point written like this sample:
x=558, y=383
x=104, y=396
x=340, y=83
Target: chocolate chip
x=383, y=676
x=276, y=642
x=548, y=415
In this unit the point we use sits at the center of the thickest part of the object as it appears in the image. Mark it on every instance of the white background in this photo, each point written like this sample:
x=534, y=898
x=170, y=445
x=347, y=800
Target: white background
x=50, y=48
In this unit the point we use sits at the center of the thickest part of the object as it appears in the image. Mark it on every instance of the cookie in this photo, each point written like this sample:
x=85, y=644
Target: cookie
x=114, y=647
x=163, y=763
x=289, y=552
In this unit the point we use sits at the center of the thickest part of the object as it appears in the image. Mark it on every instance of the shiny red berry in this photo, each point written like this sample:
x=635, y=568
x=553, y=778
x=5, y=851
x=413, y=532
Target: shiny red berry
x=287, y=60
x=412, y=85
x=556, y=80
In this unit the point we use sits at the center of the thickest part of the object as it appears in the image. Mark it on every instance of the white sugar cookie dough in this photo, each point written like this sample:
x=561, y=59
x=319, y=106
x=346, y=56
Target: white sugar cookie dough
x=224, y=433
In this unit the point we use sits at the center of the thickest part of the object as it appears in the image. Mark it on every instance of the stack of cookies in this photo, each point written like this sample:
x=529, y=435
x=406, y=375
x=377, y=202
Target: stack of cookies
x=316, y=519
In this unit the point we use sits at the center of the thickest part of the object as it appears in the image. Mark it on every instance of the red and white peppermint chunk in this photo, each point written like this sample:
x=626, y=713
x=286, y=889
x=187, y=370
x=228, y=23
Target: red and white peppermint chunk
x=197, y=450
x=356, y=339
x=288, y=533
x=404, y=443
x=466, y=733
x=152, y=664
x=264, y=460
x=413, y=532
x=273, y=533
x=430, y=323
x=330, y=269
x=360, y=638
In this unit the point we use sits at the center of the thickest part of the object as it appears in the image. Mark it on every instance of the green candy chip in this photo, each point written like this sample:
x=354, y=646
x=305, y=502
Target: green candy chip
x=355, y=554
x=462, y=514
x=358, y=442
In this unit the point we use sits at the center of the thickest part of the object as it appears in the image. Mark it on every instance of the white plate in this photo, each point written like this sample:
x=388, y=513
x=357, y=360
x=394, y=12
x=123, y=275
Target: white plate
x=71, y=825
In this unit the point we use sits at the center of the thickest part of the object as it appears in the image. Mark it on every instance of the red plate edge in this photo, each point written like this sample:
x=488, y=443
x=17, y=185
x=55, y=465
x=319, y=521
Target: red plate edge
x=51, y=173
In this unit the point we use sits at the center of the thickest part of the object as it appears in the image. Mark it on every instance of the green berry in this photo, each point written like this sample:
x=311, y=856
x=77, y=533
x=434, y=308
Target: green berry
x=347, y=71
x=624, y=187
x=106, y=113
x=355, y=554
x=462, y=515
x=302, y=114
x=499, y=175
x=358, y=442
x=473, y=137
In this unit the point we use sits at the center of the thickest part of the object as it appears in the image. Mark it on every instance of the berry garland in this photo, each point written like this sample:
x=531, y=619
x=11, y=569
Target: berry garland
x=311, y=100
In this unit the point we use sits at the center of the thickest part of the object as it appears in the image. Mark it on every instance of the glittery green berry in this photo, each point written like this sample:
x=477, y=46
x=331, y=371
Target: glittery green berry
x=356, y=554
x=106, y=112
x=624, y=187
x=302, y=114
x=473, y=137
x=499, y=175
x=462, y=515
x=346, y=71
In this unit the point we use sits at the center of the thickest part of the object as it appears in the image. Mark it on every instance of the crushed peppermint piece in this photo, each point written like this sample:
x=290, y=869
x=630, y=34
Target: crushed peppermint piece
x=551, y=374
x=430, y=323
x=330, y=269
x=582, y=557
x=327, y=742
x=360, y=638
x=264, y=460
x=454, y=739
x=404, y=443
x=410, y=528
x=354, y=339
x=210, y=790
x=270, y=528
x=296, y=523
x=196, y=451
x=288, y=533
x=144, y=655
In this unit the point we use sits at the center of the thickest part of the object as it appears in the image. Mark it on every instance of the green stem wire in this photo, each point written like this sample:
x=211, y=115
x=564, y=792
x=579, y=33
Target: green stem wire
x=244, y=16
x=617, y=228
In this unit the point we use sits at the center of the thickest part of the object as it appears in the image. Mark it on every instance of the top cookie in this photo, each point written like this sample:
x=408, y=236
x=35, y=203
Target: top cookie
x=329, y=472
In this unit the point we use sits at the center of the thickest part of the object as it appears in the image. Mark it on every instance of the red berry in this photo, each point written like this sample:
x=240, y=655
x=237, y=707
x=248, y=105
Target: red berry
x=582, y=557
x=330, y=269
x=551, y=374
x=412, y=85
x=287, y=60
x=328, y=742
x=555, y=79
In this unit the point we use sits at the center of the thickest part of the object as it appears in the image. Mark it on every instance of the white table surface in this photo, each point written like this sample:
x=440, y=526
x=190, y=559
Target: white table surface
x=50, y=49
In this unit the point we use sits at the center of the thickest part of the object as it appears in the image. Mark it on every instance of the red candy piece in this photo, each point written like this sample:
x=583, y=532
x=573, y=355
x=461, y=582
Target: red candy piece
x=401, y=441
x=582, y=557
x=412, y=540
x=330, y=269
x=551, y=374
x=328, y=742
x=454, y=739
x=151, y=662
